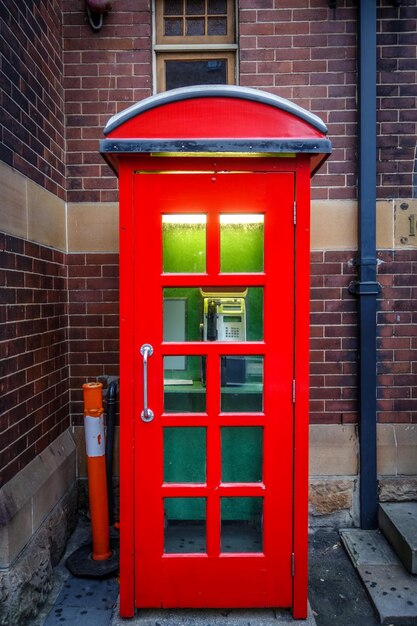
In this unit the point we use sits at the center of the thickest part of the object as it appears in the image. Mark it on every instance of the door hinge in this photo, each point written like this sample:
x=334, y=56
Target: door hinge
x=293, y=391
x=292, y=564
x=295, y=212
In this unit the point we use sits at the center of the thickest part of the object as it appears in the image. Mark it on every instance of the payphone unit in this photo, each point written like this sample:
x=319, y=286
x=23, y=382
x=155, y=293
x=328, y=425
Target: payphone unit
x=224, y=319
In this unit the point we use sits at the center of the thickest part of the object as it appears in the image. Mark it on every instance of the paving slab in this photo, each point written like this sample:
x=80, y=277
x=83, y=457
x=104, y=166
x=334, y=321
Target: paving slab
x=392, y=590
x=368, y=547
x=398, y=522
x=76, y=616
x=212, y=617
x=78, y=592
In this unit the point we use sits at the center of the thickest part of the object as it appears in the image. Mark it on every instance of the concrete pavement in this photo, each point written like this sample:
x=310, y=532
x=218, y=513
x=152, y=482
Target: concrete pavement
x=337, y=597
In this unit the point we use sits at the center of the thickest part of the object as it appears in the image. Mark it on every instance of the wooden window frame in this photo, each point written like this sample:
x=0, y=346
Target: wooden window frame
x=204, y=55
x=229, y=38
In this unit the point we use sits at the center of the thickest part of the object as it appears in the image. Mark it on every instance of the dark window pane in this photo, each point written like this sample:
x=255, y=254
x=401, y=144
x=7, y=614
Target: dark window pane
x=173, y=7
x=217, y=7
x=242, y=384
x=184, y=525
x=217, y=26
x=183, y=388
x=195, y=7
x=173, y=27
x=195, y=27
x=242, y=524
x=186, y=73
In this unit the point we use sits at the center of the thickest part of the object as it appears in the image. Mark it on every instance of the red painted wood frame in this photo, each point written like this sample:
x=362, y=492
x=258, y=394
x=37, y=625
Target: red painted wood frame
x=147, y=577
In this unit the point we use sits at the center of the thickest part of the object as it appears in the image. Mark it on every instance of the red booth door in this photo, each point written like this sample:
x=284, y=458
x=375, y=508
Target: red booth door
x=214, y=368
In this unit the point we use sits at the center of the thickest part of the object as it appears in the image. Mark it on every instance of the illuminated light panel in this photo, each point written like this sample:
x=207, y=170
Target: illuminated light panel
x=184, y=218
x=256, y=155
x=225, y=218
x=245, y=218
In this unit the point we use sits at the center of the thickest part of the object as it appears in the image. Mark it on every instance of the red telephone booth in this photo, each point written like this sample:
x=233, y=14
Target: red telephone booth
x=214, y=329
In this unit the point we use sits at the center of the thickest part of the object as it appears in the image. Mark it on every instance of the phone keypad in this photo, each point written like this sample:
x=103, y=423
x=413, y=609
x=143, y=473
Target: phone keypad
x=232, y=332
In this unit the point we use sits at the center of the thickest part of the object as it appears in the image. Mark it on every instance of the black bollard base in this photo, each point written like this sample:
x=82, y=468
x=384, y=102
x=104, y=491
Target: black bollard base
x=81, y=564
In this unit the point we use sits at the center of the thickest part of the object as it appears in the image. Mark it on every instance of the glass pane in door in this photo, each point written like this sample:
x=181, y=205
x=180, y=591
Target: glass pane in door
x=242, y=454
x=184, y=243
x=241, y=524
x=242, y=384
x=184, y=390
x=185, y=455
x=241, y=243
x=213, y=314
x=184, y=525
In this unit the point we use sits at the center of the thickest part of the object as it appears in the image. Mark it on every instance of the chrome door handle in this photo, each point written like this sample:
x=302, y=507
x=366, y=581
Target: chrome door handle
x=147, y=414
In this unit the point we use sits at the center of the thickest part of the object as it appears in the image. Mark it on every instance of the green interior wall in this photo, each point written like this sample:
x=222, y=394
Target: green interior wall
x=241, y=248
x=185, y=448
x=184, y=248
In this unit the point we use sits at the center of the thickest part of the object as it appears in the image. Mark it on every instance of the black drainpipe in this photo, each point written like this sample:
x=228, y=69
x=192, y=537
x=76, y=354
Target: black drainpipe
x=366, y=287
x=110, y=424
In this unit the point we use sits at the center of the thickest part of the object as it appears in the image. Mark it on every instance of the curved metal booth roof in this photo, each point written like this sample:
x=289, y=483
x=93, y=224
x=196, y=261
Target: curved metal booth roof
x=215, y=119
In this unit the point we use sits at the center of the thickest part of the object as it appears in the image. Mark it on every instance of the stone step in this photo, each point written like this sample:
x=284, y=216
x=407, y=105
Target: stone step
x=392, y=590
x=398, y=522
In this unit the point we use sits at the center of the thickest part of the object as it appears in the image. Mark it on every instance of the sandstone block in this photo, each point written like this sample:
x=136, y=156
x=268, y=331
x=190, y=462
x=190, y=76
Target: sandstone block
x=329, y=496
x=398, y=489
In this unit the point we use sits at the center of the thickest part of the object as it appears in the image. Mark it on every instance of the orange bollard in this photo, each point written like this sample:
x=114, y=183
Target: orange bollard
x=96, y=468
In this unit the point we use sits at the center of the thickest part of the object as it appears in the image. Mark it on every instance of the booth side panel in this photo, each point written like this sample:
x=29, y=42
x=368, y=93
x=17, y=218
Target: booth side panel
x=127, y=604
x=301, y=407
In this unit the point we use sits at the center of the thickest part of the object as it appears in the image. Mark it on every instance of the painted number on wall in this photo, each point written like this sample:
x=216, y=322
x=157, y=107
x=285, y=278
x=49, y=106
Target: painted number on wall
x=412, y=221
x=406, y=224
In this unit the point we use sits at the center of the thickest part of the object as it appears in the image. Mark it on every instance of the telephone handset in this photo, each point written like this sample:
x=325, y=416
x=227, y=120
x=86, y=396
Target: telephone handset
x=211, y=320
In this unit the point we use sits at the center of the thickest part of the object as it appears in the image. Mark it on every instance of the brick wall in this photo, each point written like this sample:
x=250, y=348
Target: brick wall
x=33, y=351
x=397, y=337
x=333, y=343
x=397, y=78
x=105, y=72
x=303, y=51
x=34, y=370
x=306, y=52
x=93, y=307
x=333, y=357
x=32, y=122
